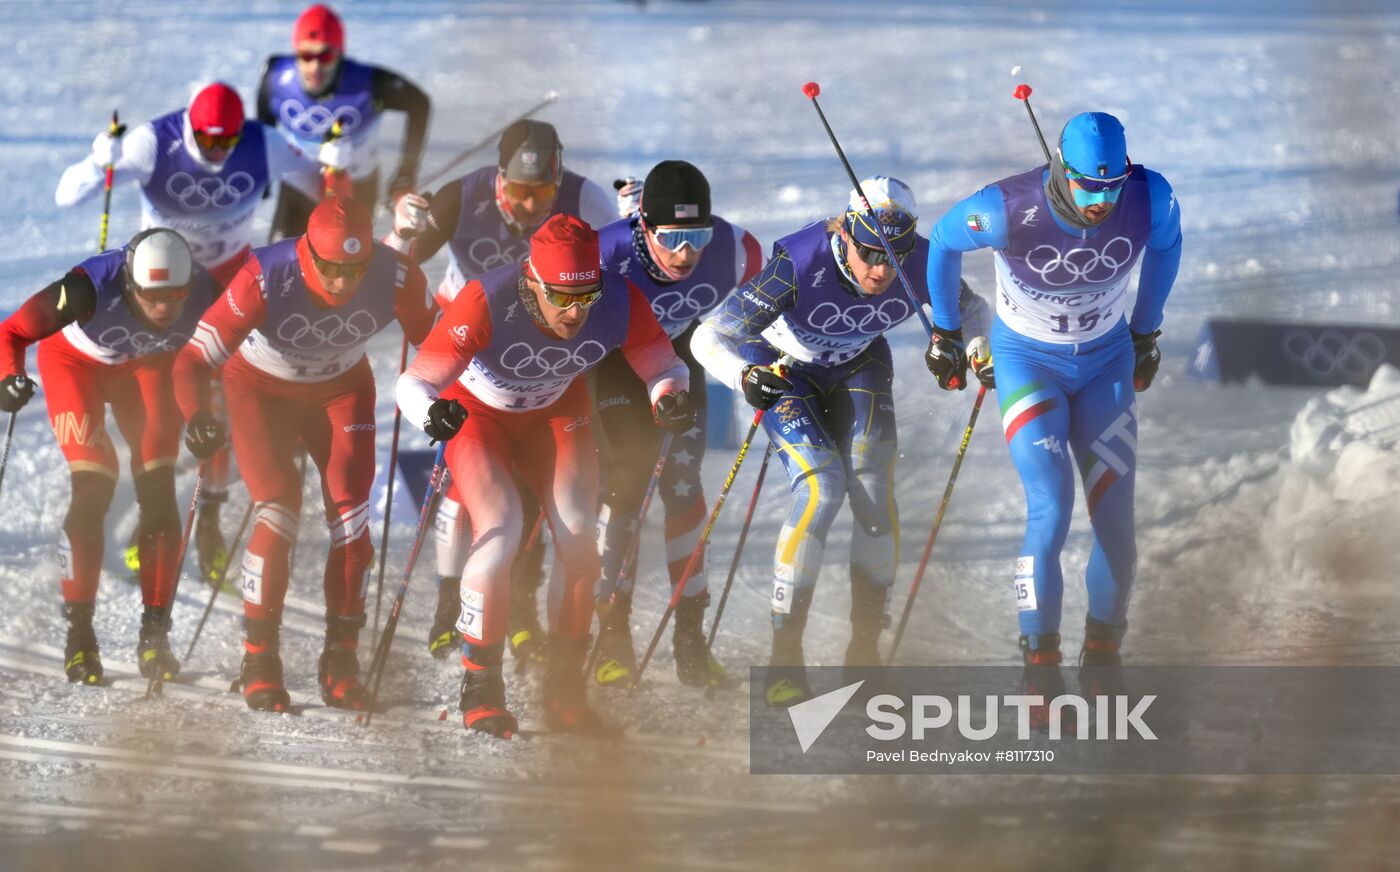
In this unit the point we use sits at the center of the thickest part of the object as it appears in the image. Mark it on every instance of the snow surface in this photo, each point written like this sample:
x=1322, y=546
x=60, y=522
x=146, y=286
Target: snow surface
x=1266, y=516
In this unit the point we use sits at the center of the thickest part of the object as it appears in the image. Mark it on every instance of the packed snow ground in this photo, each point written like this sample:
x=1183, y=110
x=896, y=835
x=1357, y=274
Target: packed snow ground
x=1266, y=515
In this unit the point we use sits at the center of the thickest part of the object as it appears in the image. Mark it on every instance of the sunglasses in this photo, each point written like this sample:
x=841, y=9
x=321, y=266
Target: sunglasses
x=161, y=295
x=675, y=239
x=214, y=141
x=521, y=190
x=1096, y=184
x=876, y=256
x=325, y=56
x=563, y=299
x=334, y=270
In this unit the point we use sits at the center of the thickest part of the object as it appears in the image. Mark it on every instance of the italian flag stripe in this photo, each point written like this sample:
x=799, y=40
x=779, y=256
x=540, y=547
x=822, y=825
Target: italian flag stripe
x=1097, y=484
x=1023, y=406
x=1030, y=413
x=1011, y=399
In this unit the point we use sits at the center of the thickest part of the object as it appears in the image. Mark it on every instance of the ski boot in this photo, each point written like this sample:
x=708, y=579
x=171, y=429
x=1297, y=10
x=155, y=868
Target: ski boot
x=1040, y=676
x=338, y=672
x=443, y=638
x=153, y=654
x=527, y=637
x=483, y=702
x=1100, y=663
x=868, y=620
x=81, y=662
x=131, y=556
x=694, y=665
x=209, y=540
x=261, y=674
x=786, y=683
x=566, y=707
x=617, y=657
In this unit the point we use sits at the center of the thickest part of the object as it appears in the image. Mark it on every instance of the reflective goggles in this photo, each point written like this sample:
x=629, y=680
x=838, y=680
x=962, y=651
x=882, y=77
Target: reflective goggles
x=521, y=190
x=1096, y=184
x=334, y=270
x=161, y=295
x=214, y=141
x=674, y=239
x=324, y=56
x=876, y=256
x=564, y=296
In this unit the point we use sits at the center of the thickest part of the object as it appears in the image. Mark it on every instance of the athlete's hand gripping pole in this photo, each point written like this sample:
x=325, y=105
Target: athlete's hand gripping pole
x=812, y=89
x=437, y=484
x=219, y=578
x=937, y=523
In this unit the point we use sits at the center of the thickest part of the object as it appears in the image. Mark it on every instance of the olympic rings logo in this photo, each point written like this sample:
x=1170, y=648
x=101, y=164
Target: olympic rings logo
x=674, y=306
x=526, y=362
x=1331, y=352
x=333, y=330
x=865, y=318
x=140, y=343
x=194, y=194
x=1059, y=269
x=315, y=122
x=488, y=254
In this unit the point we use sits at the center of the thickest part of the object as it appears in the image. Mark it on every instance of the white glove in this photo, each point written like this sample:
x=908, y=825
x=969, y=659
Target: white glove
x=410, y=215
x=336, y=154
x=979, y=354
x=106, y=149
x=629, y=196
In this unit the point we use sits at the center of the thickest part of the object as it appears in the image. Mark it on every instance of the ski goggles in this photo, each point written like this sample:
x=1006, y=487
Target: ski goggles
x=876, y=256
x=1089, y=190
x=334, y=269
x=324, y=56
x=674, y=239
x=522, y=190
x=214, y=141
x=161, y=295
x=565, y=296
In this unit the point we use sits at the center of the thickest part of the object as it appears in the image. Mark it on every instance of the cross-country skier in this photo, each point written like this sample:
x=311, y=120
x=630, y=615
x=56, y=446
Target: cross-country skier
x=290, y=332
x=1065, y=237
x=500, y=377
x=485, y=219
x=686, y=260
x=202, y=171
x=826, y=297
x=108, y=332
x=305, y=94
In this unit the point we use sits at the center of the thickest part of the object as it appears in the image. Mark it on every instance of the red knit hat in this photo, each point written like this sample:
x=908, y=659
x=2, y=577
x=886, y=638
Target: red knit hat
x=218, y=110
x=319, y=23
x=564, y=251
x=340, y=229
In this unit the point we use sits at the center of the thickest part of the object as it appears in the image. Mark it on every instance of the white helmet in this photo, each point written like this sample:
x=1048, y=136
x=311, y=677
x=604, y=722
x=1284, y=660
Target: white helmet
x=159, y=258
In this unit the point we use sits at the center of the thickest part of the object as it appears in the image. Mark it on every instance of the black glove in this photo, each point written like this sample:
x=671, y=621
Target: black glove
x=204, y=435
x=946, y=358
x=674, y=411
x=445, y=418
x=763, y=386
x=15, y=391
x=979, y=357
x=1146, y=359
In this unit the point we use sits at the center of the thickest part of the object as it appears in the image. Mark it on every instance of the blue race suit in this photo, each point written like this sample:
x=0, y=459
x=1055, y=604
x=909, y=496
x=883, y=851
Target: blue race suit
x=1064, y=366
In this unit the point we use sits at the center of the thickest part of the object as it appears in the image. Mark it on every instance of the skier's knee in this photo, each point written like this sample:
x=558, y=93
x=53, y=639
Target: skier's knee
x=818, y=495
x=92, y=496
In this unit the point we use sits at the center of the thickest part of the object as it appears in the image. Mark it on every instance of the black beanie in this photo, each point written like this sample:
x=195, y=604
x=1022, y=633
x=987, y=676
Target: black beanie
x=675, y=192
x=530, y=152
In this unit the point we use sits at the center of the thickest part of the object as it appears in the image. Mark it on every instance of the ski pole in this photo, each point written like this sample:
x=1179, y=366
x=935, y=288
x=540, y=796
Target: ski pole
x=629, y=557
x=486, y=140
x=1023, y=93
x=738, y=550
x=937, y=522
x=154, y=685
x=389, y=494
x=117, y=129
x=301, y=477
x=219, y=581
x=436, y=485
x=9, y=440
x=812, y=89
x=695, y=556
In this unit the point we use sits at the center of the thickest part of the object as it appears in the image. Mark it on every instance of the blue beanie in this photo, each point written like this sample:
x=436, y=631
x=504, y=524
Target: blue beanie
x=1093, y=144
